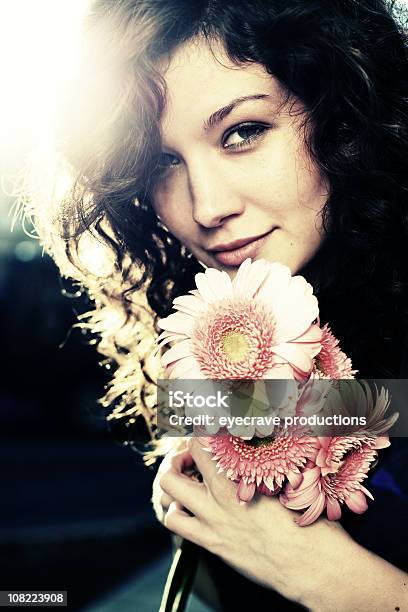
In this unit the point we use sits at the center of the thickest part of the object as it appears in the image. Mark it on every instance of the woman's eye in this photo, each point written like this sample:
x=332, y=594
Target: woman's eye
x=166, y=160
x=243, y=135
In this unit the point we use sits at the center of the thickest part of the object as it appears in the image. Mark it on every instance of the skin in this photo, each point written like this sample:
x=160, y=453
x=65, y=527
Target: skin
x=216, y=186
x=210, y=192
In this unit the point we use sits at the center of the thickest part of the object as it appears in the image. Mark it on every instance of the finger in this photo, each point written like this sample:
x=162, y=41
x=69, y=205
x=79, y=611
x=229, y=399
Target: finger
x=189, y=493
x=157, y=505
x=182, y=460
x=202, y=456
x=175, y=456
x=161, y=505
x=220, y=488
x=178, y=460
x=165, y=501
x=184, y=525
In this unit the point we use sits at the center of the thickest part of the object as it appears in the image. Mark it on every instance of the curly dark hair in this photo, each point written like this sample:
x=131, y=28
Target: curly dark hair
x=346, y=60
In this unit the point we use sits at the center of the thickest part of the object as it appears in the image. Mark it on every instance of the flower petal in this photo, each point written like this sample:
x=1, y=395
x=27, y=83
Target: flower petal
x=313, y=334
x=382, y=442
x=280, y=371
x=310, y=477
x=240, y=280
x=295, y=354
x=301, y=500
x=176, y=352
x=296, y=310
x=333, y=509
x=221, y=282
x=250, y=277
x=275, y=285
x=169, y=337
x=295, y=478
x=182, y=367
x=367, y=492
x=189, y=304
x=177, y=322
x=213, y=285
x=313, y=513
x=306, y=493
x=357, y=502
x=245, y=492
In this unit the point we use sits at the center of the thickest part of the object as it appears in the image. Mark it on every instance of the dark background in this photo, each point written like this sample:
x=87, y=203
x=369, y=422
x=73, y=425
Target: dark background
x=75, y=510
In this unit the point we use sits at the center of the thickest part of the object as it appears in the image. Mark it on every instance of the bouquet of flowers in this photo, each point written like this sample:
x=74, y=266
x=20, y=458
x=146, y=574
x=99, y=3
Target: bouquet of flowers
x=264, y=325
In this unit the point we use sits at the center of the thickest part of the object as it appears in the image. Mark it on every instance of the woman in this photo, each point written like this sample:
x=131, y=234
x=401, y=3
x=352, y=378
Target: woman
x=213, y=131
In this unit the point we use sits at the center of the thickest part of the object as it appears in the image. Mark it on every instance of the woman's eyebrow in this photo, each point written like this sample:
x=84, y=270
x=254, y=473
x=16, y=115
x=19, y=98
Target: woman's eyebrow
x=221, y=113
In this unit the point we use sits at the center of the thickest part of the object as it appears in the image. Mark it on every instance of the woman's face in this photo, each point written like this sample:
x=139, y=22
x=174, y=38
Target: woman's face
x=236, y=179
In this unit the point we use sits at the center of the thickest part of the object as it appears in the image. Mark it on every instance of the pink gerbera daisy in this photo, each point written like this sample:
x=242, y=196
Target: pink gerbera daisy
x=341, y=466
x=262, y=464
x=260, y=325
x=331, y=362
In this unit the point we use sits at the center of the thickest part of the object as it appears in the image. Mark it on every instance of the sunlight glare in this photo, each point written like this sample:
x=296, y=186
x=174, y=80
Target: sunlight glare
x=39, y=55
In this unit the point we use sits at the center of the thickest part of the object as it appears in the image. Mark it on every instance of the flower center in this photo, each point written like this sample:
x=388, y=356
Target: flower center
x=257, y=442
x=235, y=346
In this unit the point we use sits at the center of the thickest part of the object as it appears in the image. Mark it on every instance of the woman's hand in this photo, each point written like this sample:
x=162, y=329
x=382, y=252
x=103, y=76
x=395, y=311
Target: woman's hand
x=319, y=566
x=177, y=460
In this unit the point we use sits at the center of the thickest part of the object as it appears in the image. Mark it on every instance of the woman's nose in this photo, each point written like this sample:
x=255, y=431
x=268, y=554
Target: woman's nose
x=214, y=195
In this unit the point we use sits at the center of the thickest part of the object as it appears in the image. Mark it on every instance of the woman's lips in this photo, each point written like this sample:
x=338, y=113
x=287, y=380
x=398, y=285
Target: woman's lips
x=237, y=256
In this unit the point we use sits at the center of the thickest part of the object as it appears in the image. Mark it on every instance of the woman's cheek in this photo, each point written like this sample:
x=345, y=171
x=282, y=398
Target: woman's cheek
x=169, y=194
x=161, y=201
x=170, y=207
